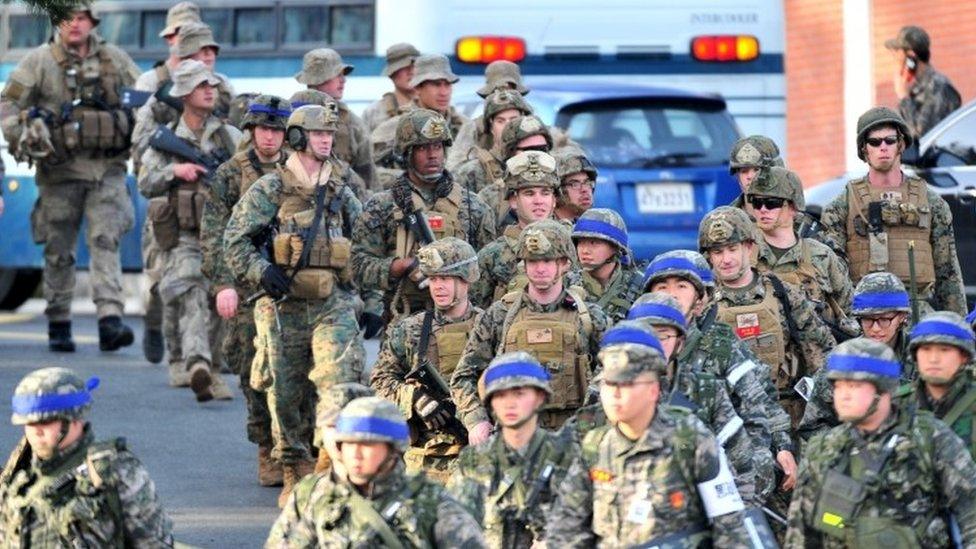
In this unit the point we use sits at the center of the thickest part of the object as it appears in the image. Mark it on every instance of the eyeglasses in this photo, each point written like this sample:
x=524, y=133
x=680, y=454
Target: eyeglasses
x=626, y=384
x=882, y=322
x=579, y=185
x=768, y=202
x=876, y=141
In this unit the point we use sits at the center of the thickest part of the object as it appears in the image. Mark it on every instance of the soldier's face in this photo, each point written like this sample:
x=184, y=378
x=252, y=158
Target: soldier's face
x=445, y=289
x=320, y=142
x=435, y=94
x=513, y=407
x=533, y=143
x=401, y=79
x=938, y=363
x=428, y=159
x=746, y=176
x=363, y=460
x=852, y=398
x=543, y=274
x=768, y=219
x=729, y=261
x=682, y=290
x=203, y=97
x=884, y=157
x=533, y=204
x=267, y=140
x=670, y=340
x=499, y=121
x=207, y=56
x=577, y=189
x=882, y=328
x=593, y=251
x=75, y=31
x=626, y=402
x=43, y=437
x=335, y=87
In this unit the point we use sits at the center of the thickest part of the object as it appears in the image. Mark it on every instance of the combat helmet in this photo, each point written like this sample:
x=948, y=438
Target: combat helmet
x=530, y=169
x=659, y=309
x=372, y=419
x=878, y=293
x=880, y=116
x=335, y=399
x=755, y=151
x=570, y=160
x=723, y=226
x=420, y=127
x=312, y=97
x=267, y=110
x=50, y=394
x=449, y=256
x=686, y=264
x=780, y=183
x=944, y=327
x=520, y=128
x=309, y=118
x=500, y=101
x=510, y=370
x=546, y=239
x=864, y=359
x=603, y=224
x=629, y=349
x=502, y=74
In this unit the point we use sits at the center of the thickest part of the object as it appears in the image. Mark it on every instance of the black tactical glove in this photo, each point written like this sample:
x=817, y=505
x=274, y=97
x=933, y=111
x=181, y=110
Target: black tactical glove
x=275, y=281
x=372, y=323
x=430, y=411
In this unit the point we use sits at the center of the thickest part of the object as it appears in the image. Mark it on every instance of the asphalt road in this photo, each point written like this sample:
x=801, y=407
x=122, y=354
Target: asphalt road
x=198, y=455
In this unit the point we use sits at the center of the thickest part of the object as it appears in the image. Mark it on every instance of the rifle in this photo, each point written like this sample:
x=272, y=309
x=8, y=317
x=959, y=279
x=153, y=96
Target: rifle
x=164, y=140
x=163, y=96
x=19, y=459
x=912, y=284
x=428, y=377
x=133, y=98
x=416, y=223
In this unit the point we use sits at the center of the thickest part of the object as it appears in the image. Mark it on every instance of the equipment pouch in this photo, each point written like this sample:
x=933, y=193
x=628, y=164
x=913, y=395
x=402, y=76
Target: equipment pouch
x=333, y=252
x=165, y=226
x=839, y=499
x=883, y=532
x=282, y=249
x=313, y=284
x=891, y=213
x=924, y=217
x=189, y=208
x=878, y=251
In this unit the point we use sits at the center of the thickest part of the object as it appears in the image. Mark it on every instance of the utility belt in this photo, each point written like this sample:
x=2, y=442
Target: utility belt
x=180, y=210
x=94, y=130
x=328, y=262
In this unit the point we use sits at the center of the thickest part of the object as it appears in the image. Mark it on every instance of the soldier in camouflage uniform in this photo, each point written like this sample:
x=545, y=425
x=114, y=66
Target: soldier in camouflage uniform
x=499, y=75
x=60, y=488
x=307, y=334
x=176, y=192
x=890, y=475
x=748, y=157
x=323, y=70
x=326, y=416
x=654, y=474
x=265, y=119
x=875, y=220
x=80, y=171
x=925, y=95
x=383, y=141
x=531, y=183
x=482, y=167
x=509, y=482
x=431, y=339
x=384, y=245
x=577, y=180
x=545, y=318
x=399, y=69
x=611, y=278
x=373, y=502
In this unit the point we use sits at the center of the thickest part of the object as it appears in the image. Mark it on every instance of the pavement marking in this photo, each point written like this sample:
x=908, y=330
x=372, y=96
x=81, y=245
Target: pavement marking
x=30, y=336
x=13, y=318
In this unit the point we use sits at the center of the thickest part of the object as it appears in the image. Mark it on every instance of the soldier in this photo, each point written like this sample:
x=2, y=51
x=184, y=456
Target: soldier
x=776, y=196
x=531, y=183
x=925, y=95
x=323, y=70
x=577, y=180
x=509, y=482
x=388, y=234
x=80, y=170
x=483, y=167
x=335, y=400
x=747, y=158
x=654, y=475
x=943, y=346
x=265, y=119
x=399, y=69
x=383, y=141
x=551, y=322
x=373, y=502
x=421, y=351
x=307, y=334
x=879, y=217
x=610, y=277
x=499, y=75
x=60, y=488
x=890, y=475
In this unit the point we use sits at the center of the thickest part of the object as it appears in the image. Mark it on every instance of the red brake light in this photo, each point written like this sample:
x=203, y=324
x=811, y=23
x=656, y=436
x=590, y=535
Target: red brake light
x=725, y=48
x=485, y=49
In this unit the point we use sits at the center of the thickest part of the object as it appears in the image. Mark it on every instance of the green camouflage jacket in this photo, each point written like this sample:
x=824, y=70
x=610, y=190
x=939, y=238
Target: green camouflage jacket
x=618, y=295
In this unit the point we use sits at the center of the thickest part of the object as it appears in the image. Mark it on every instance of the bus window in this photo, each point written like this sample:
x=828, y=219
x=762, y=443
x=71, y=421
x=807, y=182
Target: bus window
x=153, y=23
x=352, y=25
x=305, y=24
x=254, y=27
x=220, y=22
x=120, y=28
x=28, y=31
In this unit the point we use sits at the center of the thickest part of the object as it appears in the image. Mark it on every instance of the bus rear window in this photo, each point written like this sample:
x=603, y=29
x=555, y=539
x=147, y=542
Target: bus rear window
x=120, y=28
x=352, y=25
x=254, y=27
x=304, y=24
x=28, y=31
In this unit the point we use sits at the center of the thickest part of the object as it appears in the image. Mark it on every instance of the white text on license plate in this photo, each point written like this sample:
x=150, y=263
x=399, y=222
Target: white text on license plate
x=665, y=197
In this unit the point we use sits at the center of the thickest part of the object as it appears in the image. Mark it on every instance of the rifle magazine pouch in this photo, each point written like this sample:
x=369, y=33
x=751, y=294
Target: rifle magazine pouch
x=66, y=138
x=883, y=532
x=165, y=226
x=330, y=252
x=838, y=503
x=878, y=251
x=282, y=249
x=313, y=284
x=189, y=208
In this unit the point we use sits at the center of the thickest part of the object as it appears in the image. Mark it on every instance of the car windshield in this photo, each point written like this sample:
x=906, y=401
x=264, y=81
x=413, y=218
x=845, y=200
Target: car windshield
x=651, y=133
x=955, y=145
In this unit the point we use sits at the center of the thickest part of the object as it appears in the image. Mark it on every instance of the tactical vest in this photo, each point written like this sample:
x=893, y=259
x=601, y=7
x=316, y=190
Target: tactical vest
x=616, y=299
x=804, y=275
x=389, y=101
x=555, y=340
x=447, y=345
x=494, y=171
x=960, y=418
x=188, y=197
x=249, y=171
x=906, y=216
x=398, y=520
x=509, y=256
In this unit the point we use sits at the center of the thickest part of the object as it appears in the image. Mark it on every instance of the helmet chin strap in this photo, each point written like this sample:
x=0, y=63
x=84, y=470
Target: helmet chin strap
x=871, y=409
x=589, y=267
x=455, y=300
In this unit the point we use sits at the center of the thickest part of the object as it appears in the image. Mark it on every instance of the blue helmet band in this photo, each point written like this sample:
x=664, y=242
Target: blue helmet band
x=373, y=425
x=40, y=404
x=516, y=369
x=940, y=328
x=264, y=109
x=630, y=335
x=656, y=310
x=600, y=227
x=881, y=300
x=865, y=364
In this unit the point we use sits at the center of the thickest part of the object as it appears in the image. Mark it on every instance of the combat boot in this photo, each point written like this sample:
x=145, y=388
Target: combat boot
x=219, y=387
x=201, y=381
x=112, y=334
x=269, y=469
x=152, y=345
x=59, y=336
x=178, y=376
x=289, y=479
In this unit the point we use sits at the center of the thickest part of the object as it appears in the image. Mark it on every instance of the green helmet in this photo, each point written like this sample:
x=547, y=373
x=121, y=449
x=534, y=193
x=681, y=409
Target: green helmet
x=517, y=369
x=880, y=116
x=755, y=151
x=864, y=359
x=420, y=127
x=530, y=169
x=314, y=118
x=603, y=224
x=520, y=128
x=778, y=182
x=570, y=160
x=686, y=264
x=383, y=141
x=546, y=239
x=373, y=419
x=335, y=399
x=944, y=327
x=879, y=293
x=659, y=309
x=270, y=111
x=500, y=101
x=723, y=226
x=311, y=97
x=449, y=256
x=629, y=349
x=49, y=394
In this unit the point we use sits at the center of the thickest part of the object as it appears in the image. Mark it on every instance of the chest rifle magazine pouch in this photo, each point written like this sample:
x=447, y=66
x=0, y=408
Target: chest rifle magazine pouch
x=839, y=499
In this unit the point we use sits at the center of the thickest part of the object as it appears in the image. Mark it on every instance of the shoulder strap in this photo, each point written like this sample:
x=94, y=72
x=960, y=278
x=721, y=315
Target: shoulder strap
x=779, y=290
x=964, y=403
x=424, y=342
x=361, y=507
x=99, y=460
x=582, y=309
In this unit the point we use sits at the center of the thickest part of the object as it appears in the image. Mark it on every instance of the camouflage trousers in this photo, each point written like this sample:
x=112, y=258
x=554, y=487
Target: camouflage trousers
x=153, y=260
x=317, y=346
x=437, y=468
x=186, y=299
x=56, y=221
x=238, y=350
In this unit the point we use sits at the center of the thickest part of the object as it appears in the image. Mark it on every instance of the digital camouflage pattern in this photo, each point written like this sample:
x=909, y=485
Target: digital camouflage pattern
x=943, y=327
x=627, y=279
x=46, y=382
x=931, y=98
x=865, y=348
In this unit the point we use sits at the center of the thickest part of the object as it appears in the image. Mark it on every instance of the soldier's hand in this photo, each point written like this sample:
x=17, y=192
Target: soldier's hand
x=188, y=171
x=401, y=266
x=227, y=300
x=275, y=281
x=480, y=433
x=430, y=411
x=788, y=463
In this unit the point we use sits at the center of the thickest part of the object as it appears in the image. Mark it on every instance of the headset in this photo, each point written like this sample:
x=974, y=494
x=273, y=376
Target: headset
x=297, y=138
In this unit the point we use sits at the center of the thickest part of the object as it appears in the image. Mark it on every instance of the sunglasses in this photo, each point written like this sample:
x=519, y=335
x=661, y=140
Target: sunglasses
x=539, y=148
x=768, y=202
x=876, y=141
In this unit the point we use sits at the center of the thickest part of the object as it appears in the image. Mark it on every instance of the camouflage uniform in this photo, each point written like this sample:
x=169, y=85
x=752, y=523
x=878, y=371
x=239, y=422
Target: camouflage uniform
x=434, y=444
x=87, y=182
x=381, y=234
x=510, y=491
x=327, y=510
x=913, y=212
x=627, y=280
x=564, y=335
x=571, y=160
x=90, y=494
x=484, y=166
x=383, y=141
x=902, y=480
x=352, y=138
x=755, y=151
x=398, y=56
x=334, y=400
x=621, y=492
x=932, y=96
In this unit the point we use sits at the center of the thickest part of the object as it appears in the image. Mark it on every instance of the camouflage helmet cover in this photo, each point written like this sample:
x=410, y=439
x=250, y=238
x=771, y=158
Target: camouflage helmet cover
x=880, y=116
x=336, y=398
x=879, y=293
x=420, y=127
x=723, y=226
x=238, y=108
x=372, y=419
x=501, y=101
x=864, y=359
x=49, y=394
x=515, y=369
x=546, y=239
x=755, y=151
x=520, y=128
x=311, y=97
x=686, y=264
x=629, y=349
x=314, y=118
x=944, y=327
x=659, y=309
x=530, y=169
x=267, y=110
x=778, y=182
x=603, y=224
x=570, y=160
x=502, y=74
x=449, y=256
